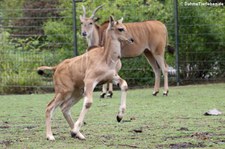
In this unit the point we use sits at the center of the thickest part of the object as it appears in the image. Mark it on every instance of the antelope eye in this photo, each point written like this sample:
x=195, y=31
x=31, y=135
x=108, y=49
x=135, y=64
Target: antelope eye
x=90, y=23
x=120, y=29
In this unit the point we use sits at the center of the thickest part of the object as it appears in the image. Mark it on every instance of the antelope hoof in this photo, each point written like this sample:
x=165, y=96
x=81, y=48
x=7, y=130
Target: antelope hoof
x=155, y=93
x=77, y=135
x=119, y=118
x=50, y=138
x=73, y=135
x=109, y=95
x=165, y=93
x=102, y=95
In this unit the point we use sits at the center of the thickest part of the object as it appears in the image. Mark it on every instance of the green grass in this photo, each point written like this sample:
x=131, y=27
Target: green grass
x=176, y=121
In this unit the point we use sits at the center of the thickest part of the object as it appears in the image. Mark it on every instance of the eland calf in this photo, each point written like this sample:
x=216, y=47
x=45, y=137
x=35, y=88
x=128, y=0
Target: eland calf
x=89, y=30
x=78, y=76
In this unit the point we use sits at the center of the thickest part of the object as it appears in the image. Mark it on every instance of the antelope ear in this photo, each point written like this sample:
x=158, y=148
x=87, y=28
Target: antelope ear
x=111, y=21
x=121, y=20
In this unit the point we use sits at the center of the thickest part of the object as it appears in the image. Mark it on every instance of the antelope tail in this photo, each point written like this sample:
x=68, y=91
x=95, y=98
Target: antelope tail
x=40, y=70
x=170, y=49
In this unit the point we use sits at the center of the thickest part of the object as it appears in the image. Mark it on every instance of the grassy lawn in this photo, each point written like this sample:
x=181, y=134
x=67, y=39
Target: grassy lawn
x=176, y=121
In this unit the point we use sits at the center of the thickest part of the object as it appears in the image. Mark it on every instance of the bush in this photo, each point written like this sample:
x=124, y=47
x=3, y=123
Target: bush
x=18, y=66
x=201, y=43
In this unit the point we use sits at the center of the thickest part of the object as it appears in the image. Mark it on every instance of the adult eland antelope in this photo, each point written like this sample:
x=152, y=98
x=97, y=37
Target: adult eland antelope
x=90, y=32
x=78, y=76
x=150, y=38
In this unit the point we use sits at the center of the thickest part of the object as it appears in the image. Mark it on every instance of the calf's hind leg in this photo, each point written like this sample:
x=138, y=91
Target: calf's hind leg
x=66, y=106
x=49, y=112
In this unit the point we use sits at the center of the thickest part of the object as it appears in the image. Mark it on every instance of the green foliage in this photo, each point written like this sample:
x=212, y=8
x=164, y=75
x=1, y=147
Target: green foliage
x=18, y=67
x=10, y=9
x=125, y=8
x=59, y=28
x=37, y=12
x=198, y=27
x=60, y=36
x=137, y=71
x=201, y=41
x=148, y=10
x=27, y=44
x=136, y=75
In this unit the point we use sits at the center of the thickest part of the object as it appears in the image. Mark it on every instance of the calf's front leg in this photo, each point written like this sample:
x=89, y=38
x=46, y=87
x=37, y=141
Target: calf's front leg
x=124, y=87
x=104, y=90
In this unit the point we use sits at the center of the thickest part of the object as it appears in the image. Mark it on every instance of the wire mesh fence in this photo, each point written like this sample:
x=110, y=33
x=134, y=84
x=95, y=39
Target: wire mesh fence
x=26, y=43
x=42, y=34
x=201, y=44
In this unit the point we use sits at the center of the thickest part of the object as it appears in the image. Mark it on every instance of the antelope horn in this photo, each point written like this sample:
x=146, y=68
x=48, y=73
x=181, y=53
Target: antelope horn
x=84, y=14
x=93, y=14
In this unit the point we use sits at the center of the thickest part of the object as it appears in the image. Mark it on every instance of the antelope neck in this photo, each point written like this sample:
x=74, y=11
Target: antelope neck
x=112, y=49
x=93, y=39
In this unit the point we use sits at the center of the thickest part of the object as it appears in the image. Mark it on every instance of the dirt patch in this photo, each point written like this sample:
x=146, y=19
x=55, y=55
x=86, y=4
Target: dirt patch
x=129, y=146
x=30, y=127
x=6, y=143
x=141, y=129
x=125, y=121
x=196, y=135
x=219, y=142
x=186, y=145
x=122, y=145
x=183, y=129
x=201, y=135
x=107, y=137
x=128, y=120
x=138, y=130
x=6, y=122
x=4, y=127
x=175, y=137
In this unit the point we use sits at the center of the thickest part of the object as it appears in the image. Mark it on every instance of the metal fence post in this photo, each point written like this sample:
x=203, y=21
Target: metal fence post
x=177, y=41
x=75, y=27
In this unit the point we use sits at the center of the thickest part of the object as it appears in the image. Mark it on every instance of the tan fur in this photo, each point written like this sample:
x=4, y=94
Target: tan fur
x=150, y=38
x=78, y=76
x=91, y=32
